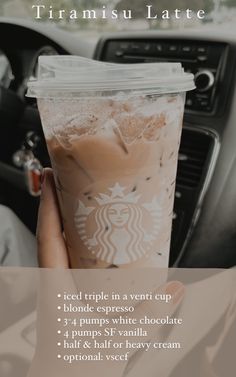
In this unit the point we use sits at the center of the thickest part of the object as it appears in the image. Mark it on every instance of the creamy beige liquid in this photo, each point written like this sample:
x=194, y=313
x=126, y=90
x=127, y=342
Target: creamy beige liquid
x=114, y=163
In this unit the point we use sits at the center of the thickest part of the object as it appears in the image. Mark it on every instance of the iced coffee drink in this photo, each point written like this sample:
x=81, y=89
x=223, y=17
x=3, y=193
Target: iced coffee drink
x=114, y=155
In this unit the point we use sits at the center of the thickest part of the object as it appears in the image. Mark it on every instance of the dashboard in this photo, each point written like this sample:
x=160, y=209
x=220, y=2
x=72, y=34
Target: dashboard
x=204, y=233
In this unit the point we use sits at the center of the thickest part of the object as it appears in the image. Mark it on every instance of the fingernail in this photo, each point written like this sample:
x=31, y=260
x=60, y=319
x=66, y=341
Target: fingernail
x=176, y=290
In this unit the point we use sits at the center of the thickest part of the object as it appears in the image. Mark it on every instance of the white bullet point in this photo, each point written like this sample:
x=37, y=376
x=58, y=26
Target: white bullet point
x=59, y=307
x=59, y=331
x=59, y=344
x=59, y=295
x=59, y=319
x=58, y=356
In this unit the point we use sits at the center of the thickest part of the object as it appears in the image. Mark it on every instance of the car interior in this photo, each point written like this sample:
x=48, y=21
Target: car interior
x=204, y=218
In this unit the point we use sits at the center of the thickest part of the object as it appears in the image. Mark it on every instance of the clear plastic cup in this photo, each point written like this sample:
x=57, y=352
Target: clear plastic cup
x=113, y=134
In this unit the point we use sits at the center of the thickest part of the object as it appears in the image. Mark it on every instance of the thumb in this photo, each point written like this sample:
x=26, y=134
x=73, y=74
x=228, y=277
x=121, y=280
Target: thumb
x=52, y=252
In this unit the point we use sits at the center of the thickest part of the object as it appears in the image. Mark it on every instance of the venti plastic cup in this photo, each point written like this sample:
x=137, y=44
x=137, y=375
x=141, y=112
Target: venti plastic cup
x=113, y=133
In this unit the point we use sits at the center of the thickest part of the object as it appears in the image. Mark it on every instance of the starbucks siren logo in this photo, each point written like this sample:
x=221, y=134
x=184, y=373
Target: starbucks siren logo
x=121, y=228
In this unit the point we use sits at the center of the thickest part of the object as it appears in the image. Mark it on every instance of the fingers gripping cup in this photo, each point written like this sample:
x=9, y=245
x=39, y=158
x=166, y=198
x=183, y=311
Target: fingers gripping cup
x=113, y=133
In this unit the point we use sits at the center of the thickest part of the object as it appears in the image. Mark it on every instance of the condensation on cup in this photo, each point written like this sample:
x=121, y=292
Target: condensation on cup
x=113, y=134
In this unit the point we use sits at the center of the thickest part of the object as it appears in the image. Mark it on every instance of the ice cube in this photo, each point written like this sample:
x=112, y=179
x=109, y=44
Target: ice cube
x=131, y=126
x=152, y=129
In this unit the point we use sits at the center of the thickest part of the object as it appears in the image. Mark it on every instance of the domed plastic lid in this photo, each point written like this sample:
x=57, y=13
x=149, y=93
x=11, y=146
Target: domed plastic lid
x=73, y=76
